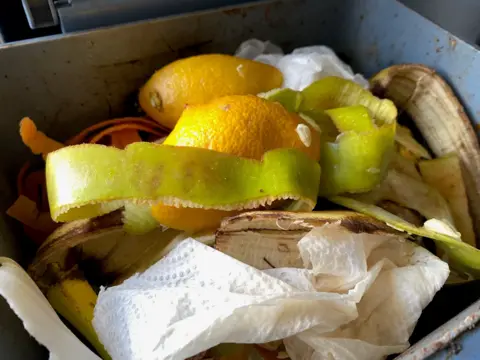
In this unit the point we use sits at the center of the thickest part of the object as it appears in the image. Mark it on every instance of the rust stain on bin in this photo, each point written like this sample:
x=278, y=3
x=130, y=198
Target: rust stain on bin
x=452, y=42
x=445, y=336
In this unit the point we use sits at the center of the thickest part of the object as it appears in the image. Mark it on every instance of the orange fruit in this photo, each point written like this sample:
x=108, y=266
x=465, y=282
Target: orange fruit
x=199, y=79
x=242, y=125
x=189, y=219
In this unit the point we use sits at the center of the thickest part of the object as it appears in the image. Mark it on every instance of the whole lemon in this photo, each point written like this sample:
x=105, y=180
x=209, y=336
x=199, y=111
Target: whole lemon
x=199, y=79
x=242, y=125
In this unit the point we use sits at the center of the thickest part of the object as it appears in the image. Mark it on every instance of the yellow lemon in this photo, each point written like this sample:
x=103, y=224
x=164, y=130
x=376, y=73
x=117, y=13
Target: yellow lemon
x=200, y=79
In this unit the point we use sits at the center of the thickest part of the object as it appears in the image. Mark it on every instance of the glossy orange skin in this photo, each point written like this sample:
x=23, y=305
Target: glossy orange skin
x=199, y=79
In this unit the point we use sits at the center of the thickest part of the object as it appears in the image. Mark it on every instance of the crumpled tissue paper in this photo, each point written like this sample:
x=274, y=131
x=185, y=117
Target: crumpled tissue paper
x=303, y=66
x=358, y=297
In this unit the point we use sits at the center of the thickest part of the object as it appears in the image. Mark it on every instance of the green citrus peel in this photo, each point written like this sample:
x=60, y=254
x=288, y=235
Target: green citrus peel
x=351, y=118
x=290, y=99
x=333, y=92
x=358, y=159
x=87, y=181
x=462, y=257
x=358, y=132
x=138, y=219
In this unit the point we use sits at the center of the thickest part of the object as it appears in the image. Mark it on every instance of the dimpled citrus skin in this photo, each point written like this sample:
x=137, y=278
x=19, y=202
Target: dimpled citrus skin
x=200, y=79
x=242, y=125
x=190, y=220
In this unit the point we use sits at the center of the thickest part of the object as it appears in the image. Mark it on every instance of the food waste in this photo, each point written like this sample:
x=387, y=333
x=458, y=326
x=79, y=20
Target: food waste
x=221, y=139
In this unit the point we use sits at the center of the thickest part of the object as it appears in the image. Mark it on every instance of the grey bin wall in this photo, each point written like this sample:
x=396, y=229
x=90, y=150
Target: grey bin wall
x=90, y=14
x=461, y=17
x=68, y=82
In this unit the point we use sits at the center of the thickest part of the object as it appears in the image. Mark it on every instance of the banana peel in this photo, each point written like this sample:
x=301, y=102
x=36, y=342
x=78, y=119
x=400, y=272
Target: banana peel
x=405, y=166
x=411, y=193
x=103, y=249
x=73, y=298
x=37, y=315
x=408, y=145
x=445, y=175
x=405, y=213
x=462, y=257
x=439, y=116
x=268, y=239
x=106, y=254
x=99, y=250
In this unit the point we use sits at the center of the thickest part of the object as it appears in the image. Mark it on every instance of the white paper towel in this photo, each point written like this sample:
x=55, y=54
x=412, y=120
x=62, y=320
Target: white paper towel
x=359, y=299
x=303, y=66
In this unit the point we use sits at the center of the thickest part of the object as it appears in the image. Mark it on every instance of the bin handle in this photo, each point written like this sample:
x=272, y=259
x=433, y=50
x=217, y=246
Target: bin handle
x=40, y=13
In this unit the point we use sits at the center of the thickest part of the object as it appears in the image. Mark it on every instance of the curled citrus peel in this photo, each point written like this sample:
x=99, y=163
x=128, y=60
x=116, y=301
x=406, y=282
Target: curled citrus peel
x=86, y=181
x=357, y=132
x=358, y=159
x=333, y=92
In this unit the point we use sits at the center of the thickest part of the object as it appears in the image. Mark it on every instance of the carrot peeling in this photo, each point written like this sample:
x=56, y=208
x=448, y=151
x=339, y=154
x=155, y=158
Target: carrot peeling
x=116, y=128
x=37, y=141
x=86, y=133
x=26, y=211
x=120, y=139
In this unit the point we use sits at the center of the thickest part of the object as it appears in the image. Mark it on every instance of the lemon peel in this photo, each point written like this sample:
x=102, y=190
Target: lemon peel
x=358, y=131
x=87, y=181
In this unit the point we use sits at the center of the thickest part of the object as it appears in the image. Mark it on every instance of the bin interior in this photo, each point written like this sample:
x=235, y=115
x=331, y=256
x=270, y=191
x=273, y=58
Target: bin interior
x=66, y=83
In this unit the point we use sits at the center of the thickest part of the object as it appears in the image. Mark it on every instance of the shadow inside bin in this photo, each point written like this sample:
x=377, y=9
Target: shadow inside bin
x=447, y=303
x=16, y=342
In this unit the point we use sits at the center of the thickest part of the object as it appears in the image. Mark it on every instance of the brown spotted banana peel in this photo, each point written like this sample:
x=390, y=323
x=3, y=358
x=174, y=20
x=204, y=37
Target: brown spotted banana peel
x=439, y=116
x=268, y=239
x=96, y=249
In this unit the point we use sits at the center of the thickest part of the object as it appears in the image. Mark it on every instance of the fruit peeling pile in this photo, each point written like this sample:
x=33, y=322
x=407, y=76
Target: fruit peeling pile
x=284, y=199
